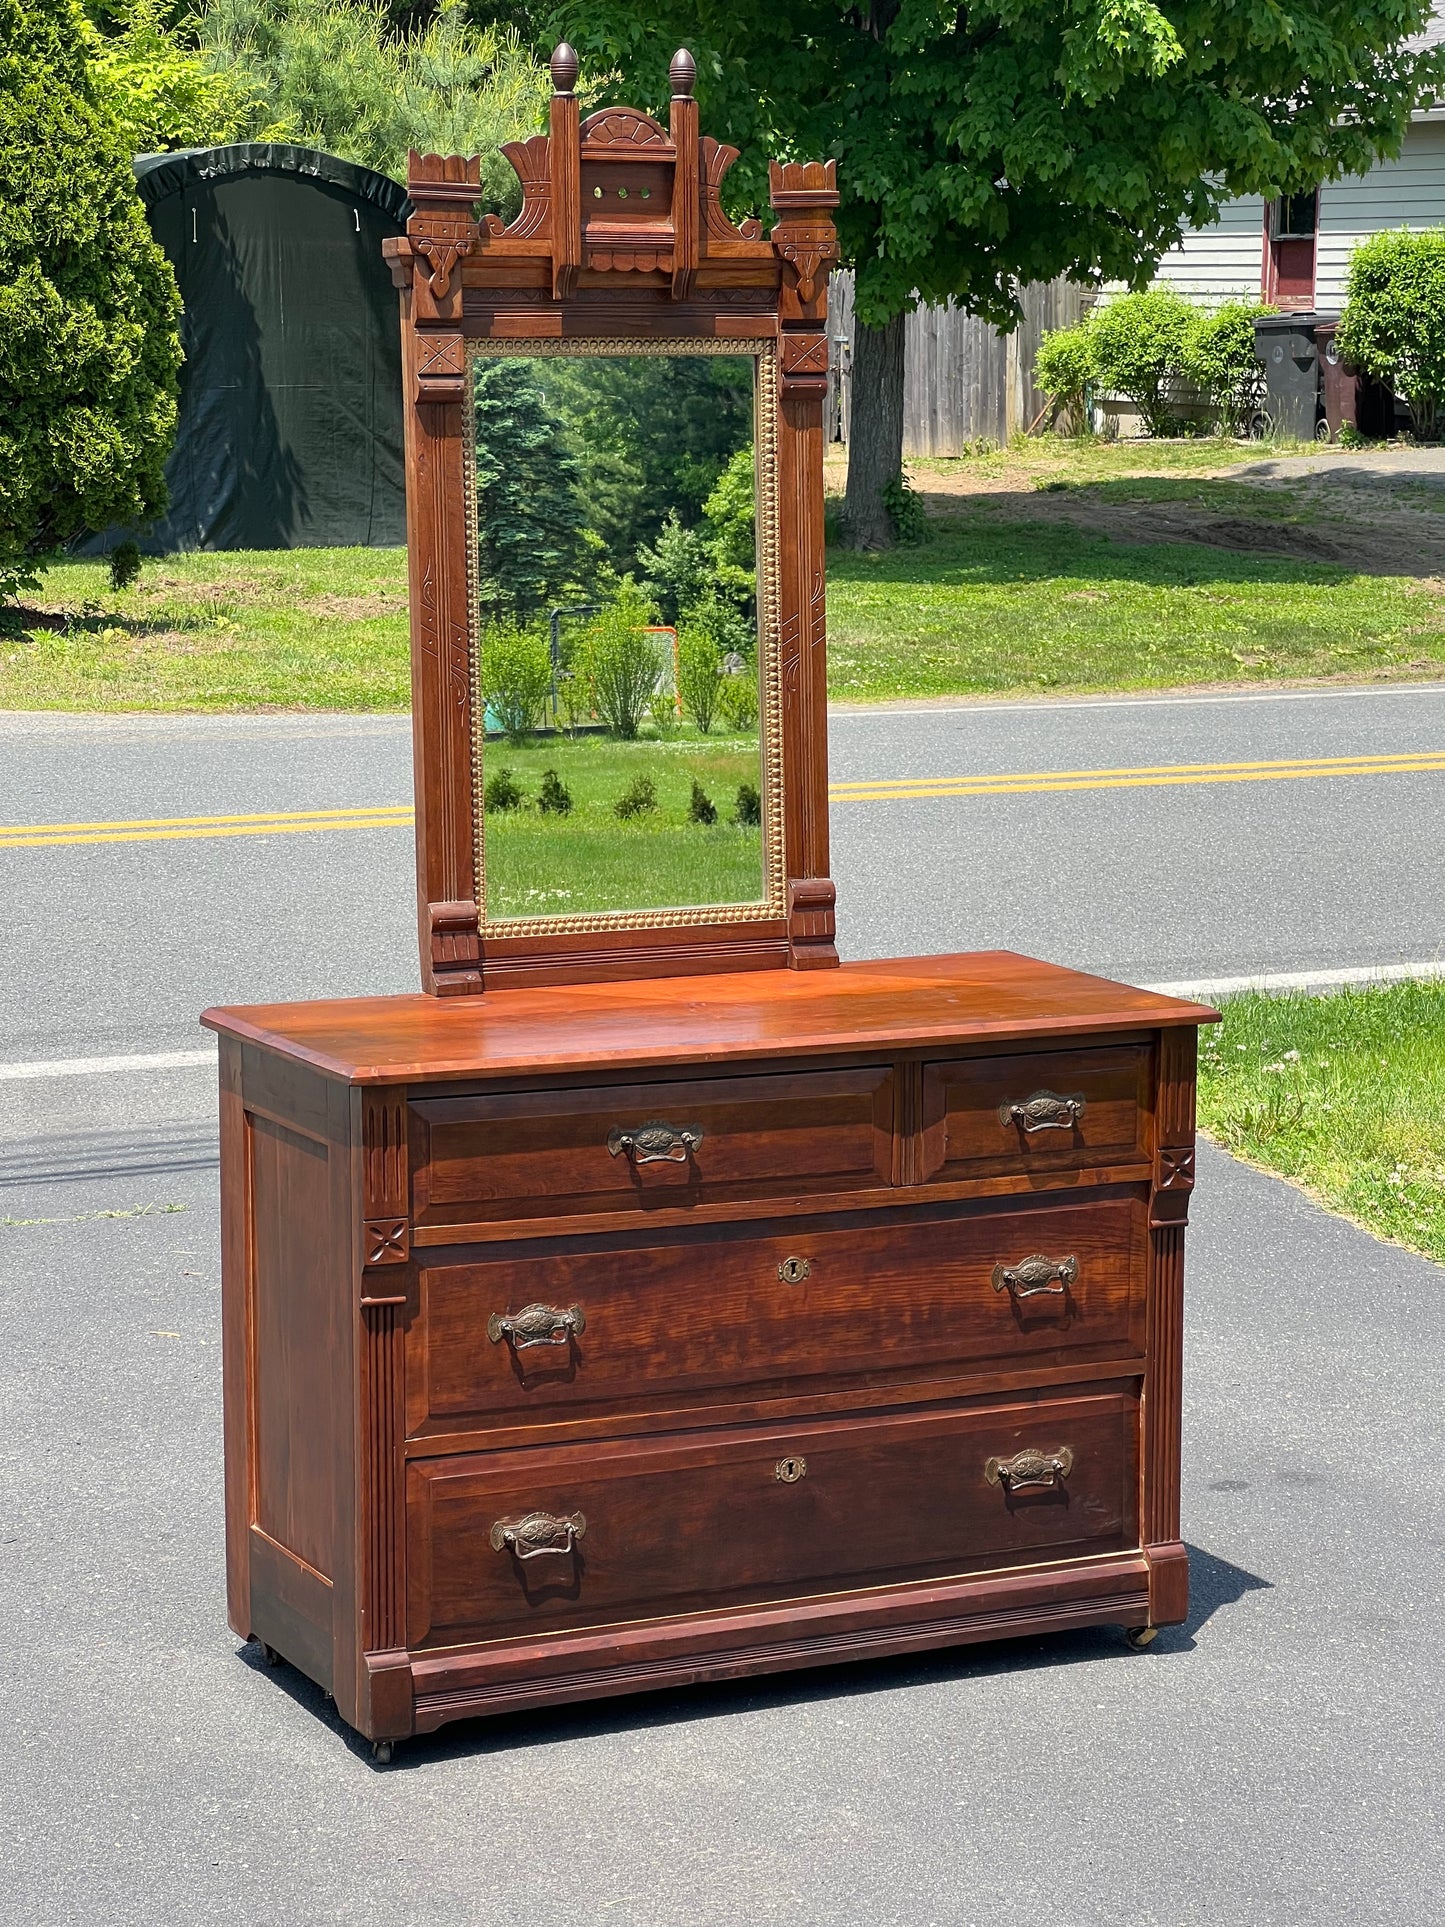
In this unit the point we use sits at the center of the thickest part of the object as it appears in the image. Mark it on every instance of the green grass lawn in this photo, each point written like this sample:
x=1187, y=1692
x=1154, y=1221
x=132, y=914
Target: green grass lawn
x=544, y=864
x=987, y=607
x=1344, y=1094
x=284, y=629
x=997, y=601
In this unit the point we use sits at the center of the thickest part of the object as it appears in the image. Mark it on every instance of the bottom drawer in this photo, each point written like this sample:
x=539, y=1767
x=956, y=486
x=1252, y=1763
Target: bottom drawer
x=505, y=1543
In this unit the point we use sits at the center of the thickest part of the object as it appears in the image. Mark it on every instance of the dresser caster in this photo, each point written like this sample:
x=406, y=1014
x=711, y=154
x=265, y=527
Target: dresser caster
x=381, y=1751
x=270, y=1655
x=1140, y=1636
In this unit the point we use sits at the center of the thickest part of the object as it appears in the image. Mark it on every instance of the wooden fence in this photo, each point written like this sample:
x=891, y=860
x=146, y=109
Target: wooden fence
x=963, y=381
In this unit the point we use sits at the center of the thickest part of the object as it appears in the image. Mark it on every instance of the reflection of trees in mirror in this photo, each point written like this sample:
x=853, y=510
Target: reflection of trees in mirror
x=650, y=434
x=589, y=470
x=531, y=526
x=545, y=860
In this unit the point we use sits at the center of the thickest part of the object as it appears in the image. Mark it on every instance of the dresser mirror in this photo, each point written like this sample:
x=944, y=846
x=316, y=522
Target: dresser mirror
x=615, y=546
x=622, y=552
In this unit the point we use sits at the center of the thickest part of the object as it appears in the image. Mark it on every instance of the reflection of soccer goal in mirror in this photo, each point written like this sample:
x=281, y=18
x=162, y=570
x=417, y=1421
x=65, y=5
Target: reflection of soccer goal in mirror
x=620, y=595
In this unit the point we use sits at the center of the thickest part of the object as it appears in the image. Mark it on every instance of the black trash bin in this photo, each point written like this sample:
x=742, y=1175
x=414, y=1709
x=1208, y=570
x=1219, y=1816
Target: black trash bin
x=1285, y=343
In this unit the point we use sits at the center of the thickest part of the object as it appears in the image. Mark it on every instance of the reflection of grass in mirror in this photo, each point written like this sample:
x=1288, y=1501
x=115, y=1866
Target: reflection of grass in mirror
x=549, y=864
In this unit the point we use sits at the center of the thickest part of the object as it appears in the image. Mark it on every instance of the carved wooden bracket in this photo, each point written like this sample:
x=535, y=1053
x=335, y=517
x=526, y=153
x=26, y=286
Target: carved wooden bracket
x=811, y=921
x=442, y=228
x=456, y=948
x=804, y=238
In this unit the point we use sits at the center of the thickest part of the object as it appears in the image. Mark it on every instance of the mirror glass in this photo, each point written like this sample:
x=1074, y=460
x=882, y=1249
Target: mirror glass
x=614, y=515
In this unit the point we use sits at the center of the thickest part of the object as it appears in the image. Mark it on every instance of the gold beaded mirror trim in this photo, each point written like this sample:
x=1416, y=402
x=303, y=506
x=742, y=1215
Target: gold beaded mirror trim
x=766, y=402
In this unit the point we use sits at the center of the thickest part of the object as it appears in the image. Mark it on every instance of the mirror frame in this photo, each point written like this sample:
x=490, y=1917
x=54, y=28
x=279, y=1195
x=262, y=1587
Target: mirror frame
x=656, y=274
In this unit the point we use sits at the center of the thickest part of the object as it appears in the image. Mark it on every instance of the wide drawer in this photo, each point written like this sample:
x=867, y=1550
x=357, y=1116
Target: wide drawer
x=1036, y=1111
x=627, y=1147
x=622, y=1324
x=506, y=1543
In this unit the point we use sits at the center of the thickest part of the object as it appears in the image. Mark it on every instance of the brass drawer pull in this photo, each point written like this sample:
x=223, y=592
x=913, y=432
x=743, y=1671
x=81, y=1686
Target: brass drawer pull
x=1044, y=1111
x=655, y=1142
x=538, y=1533
x=1037, y=1275
x=1030, y=1467
x=536, y=1325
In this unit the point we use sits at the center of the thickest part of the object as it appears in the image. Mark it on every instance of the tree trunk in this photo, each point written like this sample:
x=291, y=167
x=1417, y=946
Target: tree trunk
x=875, y=433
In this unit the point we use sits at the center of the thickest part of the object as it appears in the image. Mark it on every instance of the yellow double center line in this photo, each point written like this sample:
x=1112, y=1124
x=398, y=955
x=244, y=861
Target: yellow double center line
x=160, y=829
x=154, y=829
x=1159, y=776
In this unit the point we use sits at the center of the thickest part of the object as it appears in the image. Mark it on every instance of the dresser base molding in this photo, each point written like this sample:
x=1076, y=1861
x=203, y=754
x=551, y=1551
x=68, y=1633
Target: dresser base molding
x=601, y=1664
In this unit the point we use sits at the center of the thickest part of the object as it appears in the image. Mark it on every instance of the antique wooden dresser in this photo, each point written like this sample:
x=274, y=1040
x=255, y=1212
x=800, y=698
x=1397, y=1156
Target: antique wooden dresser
x=583, y=1340
x=652, y=1299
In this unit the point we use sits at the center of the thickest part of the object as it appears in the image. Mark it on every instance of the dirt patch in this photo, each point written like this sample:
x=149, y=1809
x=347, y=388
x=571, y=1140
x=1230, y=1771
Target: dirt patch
x=1376, y=536
x=354, y=608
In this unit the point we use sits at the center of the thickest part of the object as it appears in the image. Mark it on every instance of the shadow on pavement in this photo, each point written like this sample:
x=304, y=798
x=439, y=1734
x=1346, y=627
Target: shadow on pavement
x=1214, y=1584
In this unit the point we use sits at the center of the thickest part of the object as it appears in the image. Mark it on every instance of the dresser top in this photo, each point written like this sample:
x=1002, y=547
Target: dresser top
x=900, y=1004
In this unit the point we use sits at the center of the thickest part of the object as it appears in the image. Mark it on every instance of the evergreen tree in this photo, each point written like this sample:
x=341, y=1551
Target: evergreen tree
x=530, y=523
x=89, y=342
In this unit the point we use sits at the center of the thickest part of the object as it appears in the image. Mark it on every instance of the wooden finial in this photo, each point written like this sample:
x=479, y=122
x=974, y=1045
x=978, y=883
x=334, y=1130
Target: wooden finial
x=682, y=73
x=565, y=65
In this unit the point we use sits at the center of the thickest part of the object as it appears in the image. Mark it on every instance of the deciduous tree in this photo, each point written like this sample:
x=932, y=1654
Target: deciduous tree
x=990, y=144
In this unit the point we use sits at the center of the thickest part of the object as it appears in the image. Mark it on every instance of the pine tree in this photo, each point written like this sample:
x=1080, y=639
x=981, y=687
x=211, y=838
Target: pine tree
x=89, y=314
x=530, y=523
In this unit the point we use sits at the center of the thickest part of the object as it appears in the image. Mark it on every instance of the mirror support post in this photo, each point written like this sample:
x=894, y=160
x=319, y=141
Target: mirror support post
x=803, y=193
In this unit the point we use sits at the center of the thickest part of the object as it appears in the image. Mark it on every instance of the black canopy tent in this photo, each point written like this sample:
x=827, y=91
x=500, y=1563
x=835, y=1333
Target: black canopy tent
x=290, y=431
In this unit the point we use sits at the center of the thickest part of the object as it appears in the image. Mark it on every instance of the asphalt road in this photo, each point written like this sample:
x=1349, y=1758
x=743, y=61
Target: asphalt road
x=115, y=947
x=1275, y=1761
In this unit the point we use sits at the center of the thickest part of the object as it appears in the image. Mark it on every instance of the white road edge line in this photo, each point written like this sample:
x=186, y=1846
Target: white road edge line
x=1203, y=991
x=161, y=1060
x=838, y=712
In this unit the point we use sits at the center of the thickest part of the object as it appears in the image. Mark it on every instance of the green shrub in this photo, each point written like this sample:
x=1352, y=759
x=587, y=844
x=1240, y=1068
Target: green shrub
x=124, y=566
x=1219, y=357
x=749, y=810
x=619, y=660
x=738, y=700
x=905, y=510
x=1064, y=368
x=1137, y=345
x=515, y=677
x=638, y=799
x=731, y=514
x=699, y=670
x=678, y=569
x=162, y=88
x=555, y=798
x=89, y=344
x=1393, y=323
x=701, y=808
x=502, y=792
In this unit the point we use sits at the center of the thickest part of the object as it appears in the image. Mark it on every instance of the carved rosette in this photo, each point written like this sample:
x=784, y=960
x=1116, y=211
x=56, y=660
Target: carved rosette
x=804, y=362
x=441, y=368
x=385, y=1183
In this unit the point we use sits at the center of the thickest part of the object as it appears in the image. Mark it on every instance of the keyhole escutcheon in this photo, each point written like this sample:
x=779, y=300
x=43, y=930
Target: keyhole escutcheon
x=789, y=1471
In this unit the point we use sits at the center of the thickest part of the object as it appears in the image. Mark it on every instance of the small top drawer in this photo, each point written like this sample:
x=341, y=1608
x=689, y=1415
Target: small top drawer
x=625, y=1147
x=1037, y=1111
